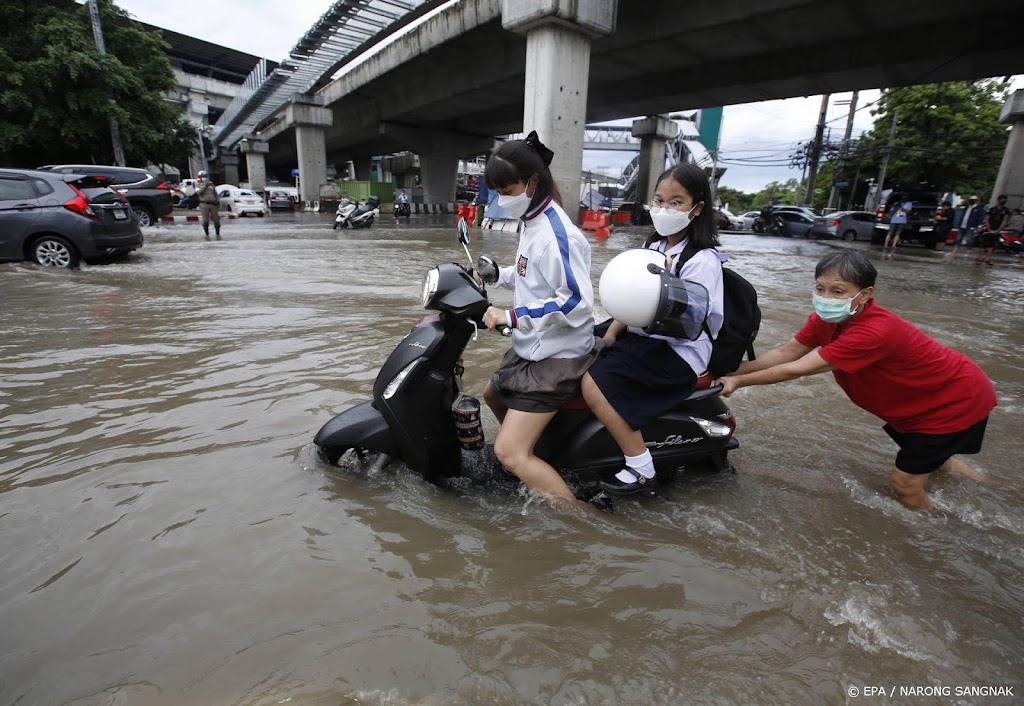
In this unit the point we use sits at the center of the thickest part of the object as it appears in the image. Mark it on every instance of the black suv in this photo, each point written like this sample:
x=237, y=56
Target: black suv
x=60, y=219
x=148, y=193
x=920, y=226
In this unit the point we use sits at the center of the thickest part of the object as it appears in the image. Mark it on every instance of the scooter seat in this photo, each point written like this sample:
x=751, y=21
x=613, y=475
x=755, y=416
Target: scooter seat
x=578, y=403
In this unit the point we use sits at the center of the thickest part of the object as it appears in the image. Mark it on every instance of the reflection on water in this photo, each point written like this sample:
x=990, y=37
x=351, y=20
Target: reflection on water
x=167, y=534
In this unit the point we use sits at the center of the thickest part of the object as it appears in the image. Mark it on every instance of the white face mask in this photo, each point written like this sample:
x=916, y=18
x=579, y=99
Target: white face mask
x=668, y=221
x=516, y=205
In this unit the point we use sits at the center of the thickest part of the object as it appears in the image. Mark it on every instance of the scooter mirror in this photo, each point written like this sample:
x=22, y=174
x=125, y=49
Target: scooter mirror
x=487, y=269
x=463, y=231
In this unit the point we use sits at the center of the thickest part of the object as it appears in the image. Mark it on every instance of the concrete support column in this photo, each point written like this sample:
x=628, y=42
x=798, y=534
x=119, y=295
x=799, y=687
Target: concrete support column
x=198, y=110
x=364, y=168
x=439, y=154
x=653, y=132
x=558, y=35
x=229, y=162
x=438, y=173
x=1010, y=180
x=310, y=119
x=255, y=151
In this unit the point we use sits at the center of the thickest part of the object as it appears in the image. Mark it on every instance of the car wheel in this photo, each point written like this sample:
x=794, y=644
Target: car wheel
x=260, y=214
x=850, y=235
x=145, y=216
x=54, y=251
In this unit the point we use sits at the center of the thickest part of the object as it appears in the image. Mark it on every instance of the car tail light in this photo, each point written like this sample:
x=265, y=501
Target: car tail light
x=835, y=222
x=238, y=200
x=880, y=213
x=163, y=185
x=80, y=204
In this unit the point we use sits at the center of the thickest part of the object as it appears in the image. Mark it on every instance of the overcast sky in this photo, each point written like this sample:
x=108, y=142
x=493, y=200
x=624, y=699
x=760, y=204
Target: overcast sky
x=756, y=131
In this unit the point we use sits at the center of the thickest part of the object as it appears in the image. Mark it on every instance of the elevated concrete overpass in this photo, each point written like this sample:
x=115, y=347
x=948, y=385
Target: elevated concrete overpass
x=480, y=68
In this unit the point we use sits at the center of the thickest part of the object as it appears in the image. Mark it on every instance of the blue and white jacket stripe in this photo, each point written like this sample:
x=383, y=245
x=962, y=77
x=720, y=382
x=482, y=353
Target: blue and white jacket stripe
x=554, y=297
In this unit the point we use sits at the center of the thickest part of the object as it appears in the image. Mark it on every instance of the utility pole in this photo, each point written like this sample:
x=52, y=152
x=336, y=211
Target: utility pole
x=845, y=151
x=885, y=158
x=101, y=47
x=819, y=133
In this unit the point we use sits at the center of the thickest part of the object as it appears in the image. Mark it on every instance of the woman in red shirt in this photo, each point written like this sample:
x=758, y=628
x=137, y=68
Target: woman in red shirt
x=935, y=401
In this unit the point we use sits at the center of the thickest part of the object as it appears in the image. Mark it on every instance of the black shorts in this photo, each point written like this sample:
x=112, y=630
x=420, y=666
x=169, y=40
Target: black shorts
x=987, y=239
x=924, y=453
x=642, y=377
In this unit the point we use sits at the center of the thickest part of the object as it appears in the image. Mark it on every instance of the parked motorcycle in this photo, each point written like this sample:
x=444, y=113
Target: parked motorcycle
x=418, y=413
x=1010, y=242
x=357, y=215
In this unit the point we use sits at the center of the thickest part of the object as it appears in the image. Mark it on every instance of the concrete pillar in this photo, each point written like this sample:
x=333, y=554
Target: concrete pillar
x=1010, y=180
x=558, y=35
x=439, y=153
x=310, y=119
x=654, y=132
x=438, y=173
x=255, y=151
x=229, y=163
x=364, y=168
x=198, y=111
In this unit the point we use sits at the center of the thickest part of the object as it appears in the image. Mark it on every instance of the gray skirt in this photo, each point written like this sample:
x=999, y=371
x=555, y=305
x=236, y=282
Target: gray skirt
x=541, y=385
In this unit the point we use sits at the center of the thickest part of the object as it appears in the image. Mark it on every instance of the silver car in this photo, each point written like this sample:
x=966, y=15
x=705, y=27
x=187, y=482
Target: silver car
x=845, y=225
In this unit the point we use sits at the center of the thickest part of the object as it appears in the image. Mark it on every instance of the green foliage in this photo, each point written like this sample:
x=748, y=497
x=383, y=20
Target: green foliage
x=738, y=201
x=58, y=92
x=948, y=135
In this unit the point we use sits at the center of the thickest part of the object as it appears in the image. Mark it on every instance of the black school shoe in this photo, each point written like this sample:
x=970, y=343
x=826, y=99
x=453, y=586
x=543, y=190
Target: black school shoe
x=642, y=485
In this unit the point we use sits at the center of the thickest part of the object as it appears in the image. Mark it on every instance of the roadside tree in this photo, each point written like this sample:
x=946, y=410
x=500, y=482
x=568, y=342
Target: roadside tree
x=57, y=92
x=948, y=135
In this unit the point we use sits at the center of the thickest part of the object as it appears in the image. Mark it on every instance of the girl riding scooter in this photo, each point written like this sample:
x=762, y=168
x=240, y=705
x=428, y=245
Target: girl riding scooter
x=552, y=321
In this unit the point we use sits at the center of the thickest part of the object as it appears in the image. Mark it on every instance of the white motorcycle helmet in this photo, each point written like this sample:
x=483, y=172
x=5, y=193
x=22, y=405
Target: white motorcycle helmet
x=636, y=289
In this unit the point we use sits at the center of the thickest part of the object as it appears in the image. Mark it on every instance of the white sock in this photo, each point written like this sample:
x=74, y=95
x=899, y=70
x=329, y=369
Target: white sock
x=642, y=464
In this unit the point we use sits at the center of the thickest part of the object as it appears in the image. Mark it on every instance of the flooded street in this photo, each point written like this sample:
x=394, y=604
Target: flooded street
x=169, y=536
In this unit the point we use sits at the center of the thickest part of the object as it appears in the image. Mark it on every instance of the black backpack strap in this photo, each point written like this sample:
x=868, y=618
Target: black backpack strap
x=651, y=240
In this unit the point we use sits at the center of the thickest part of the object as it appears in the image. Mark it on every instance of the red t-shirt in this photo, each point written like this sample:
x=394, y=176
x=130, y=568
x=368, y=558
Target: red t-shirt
x=890, y=368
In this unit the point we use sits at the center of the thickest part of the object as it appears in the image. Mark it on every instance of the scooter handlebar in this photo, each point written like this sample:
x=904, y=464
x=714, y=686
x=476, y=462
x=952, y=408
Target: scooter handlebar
x=505, y=331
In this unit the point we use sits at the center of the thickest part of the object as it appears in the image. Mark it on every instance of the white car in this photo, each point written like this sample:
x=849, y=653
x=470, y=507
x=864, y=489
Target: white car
x=748, y=219
x=735, y=222
x=241, y=201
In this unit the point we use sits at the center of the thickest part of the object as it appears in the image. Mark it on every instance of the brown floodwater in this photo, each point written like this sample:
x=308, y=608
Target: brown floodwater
x=169, y=536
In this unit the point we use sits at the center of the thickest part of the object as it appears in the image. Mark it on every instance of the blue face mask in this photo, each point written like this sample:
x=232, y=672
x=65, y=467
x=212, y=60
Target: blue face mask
x=833, y=311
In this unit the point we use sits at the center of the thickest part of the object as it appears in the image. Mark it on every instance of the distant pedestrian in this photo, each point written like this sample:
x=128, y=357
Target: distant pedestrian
x=209, y=205
x=944, y=223
x=973, y=216
x=995, y=221
x=897, y=222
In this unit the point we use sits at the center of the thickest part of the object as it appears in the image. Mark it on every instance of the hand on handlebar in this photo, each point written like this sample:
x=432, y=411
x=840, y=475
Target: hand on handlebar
x=495, y=319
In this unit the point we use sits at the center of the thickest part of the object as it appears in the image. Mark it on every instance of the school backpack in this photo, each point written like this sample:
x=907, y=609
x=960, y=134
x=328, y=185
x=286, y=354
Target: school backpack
x=741, y=321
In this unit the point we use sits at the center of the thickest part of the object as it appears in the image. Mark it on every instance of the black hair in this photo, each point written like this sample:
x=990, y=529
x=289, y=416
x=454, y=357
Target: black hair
x=1002, y=197
x=703, y=230
x=517, y=161
x=947, y=203
x=850, y=265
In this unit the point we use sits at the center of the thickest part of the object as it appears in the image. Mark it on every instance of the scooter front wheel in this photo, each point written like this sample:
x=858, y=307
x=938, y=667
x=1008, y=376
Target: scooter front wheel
x=356, y=459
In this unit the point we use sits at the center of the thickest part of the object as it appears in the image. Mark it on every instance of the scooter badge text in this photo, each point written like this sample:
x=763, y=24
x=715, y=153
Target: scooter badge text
x=673, y=440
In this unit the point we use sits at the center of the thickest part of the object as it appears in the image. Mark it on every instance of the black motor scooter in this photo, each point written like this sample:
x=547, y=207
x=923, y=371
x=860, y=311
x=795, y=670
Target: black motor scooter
x=418, y=391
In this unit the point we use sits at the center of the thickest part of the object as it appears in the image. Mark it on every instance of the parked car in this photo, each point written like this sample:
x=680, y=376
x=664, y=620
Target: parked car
x=722, y=220
x=58, y=220
x=845, y=225
x=149, y=194
x=748, y=219
x=920, y=226
x=280, y=201
x=734, y=222
x=794, y=224
x=240, y=201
